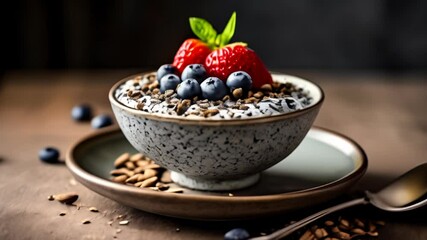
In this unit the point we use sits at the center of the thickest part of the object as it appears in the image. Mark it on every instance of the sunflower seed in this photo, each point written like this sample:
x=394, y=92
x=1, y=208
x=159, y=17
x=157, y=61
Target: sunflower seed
x=93, y=209
x=67, y=198
x=148, y=182
x=121, y=160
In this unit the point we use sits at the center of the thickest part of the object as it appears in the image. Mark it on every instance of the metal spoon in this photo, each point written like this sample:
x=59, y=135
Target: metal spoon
x=407, y=192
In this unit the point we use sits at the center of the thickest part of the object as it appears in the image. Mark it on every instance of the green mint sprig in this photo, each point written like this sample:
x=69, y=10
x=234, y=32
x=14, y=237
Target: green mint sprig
x=207, y=33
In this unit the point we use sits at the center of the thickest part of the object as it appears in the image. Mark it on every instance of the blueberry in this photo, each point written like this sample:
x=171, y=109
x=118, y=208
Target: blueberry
x=194, y=71
x=213, y=88
x=49, y=155
x=81, y=112
x=101, y=121
x=239, y=79
x=236, y=234
x=291, y=104
x=169, y=81
x=166, y=69
x=188, y=89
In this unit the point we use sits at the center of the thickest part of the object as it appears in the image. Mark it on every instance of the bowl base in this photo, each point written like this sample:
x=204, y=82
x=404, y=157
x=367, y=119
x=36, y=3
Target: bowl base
x=214, y=185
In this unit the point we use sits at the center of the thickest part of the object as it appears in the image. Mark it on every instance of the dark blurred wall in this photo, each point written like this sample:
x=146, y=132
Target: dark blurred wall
x=318, y=34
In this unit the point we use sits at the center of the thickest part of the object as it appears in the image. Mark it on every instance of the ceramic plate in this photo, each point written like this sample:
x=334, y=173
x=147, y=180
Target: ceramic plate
x=324, y=166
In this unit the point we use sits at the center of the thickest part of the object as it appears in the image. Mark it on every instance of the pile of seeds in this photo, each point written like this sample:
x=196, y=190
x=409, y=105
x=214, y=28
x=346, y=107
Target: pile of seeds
x=342, y=228
x=144, y=94
x=140, y=171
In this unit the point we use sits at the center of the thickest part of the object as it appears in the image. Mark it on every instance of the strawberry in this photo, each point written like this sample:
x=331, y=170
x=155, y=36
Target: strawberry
x=237, y=57
x=191, y=51
x=220, y=59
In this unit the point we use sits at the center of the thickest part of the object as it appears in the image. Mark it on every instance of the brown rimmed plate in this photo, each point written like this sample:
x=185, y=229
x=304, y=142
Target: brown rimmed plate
x=323, y=167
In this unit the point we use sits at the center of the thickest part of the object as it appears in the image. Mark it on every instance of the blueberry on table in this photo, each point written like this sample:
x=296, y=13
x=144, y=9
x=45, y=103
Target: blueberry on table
x=237, y=234
x=194, y=71
x=166, y=69
x=81, y=112
x=239, y=79
x=188, y=89
x=49, y=155
x=169, y=81
x=101, y=121
x=213, y=88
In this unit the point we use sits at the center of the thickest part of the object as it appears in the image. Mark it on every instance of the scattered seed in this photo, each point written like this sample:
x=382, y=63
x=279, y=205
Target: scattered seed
x=230, y=195
x=73, y=182
x=177, y=230
x=93, y=209
x=86, y=221
x=66, y=198
x=118, y=230
x=124, y=222
x=50, y=198
x=62, y=214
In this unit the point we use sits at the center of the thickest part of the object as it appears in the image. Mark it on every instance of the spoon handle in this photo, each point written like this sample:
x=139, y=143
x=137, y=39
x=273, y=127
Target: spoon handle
x=303, y=222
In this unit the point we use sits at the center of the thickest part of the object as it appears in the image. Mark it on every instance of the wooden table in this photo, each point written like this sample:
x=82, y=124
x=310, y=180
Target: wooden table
x=385, y=113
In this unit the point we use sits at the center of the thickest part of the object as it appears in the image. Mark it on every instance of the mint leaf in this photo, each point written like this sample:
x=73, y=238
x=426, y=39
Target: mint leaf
x=203, y=30
x=225, y=37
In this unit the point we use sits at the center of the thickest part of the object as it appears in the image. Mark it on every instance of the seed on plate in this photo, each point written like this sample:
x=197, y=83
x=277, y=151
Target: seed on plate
x=175, y=190
x=152, y=166
x=308, y=235
x=142, y=163
x=130, y=165
x=66, y=198
x=161, y=186
x=166, y=177
x=358, y=231
x=135, y=178
x=148, y=173
x=62, y=214
x=50, y=198
x=121, y=159
x=148, y=182
x=122, y=171
x=135, y=157
x=120, y=179
x=344, y=223
x=320, y=233
x=329, y=223
x=359, y=223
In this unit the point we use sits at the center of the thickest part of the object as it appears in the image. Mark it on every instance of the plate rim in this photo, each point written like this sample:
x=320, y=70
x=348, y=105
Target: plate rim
x=78, y=171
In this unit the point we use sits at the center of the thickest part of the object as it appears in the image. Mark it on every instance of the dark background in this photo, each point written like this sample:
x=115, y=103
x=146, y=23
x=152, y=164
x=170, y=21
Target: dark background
x=314, y=34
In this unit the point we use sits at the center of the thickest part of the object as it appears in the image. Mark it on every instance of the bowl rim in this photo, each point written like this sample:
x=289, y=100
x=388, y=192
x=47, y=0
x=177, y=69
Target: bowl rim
x=209, y=121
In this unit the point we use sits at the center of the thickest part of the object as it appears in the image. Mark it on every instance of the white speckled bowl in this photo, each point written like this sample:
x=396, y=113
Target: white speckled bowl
x=208, y=154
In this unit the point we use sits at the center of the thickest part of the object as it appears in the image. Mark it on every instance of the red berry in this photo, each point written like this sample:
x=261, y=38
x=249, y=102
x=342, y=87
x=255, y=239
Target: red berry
x=192, y=51
x=222, y=62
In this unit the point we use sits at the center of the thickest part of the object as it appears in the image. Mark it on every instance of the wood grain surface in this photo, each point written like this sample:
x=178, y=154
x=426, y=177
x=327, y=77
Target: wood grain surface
x=385, y=114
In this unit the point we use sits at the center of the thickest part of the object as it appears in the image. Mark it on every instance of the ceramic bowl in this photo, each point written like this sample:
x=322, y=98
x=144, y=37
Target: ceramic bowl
x=212, y=154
